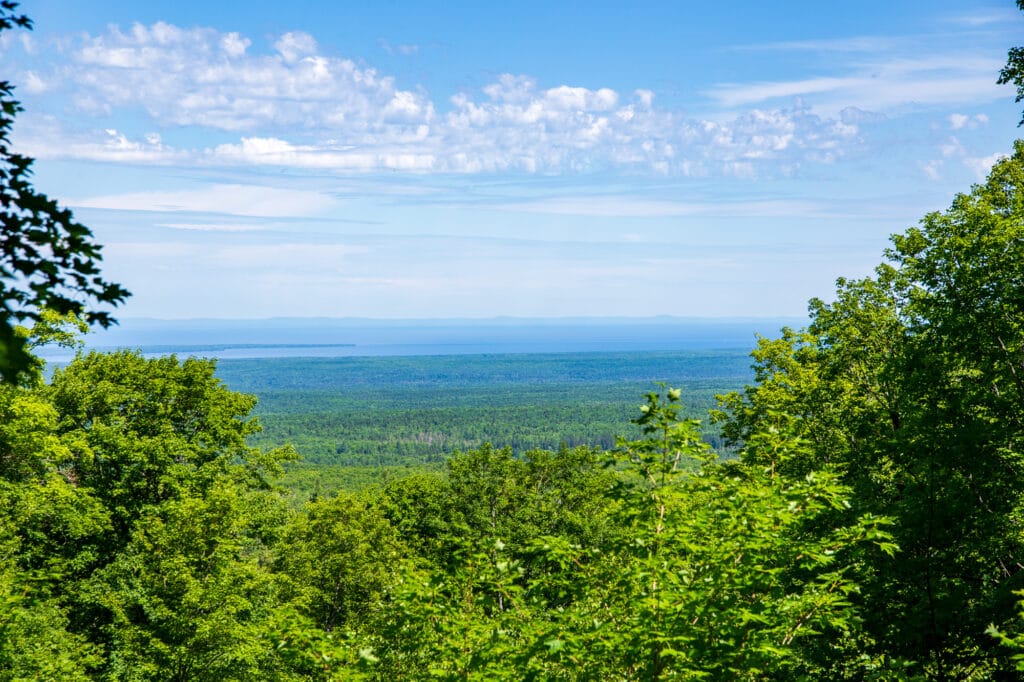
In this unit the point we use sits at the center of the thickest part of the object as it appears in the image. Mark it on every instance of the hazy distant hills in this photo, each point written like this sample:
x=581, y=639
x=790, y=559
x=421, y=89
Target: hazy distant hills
x=335, y=337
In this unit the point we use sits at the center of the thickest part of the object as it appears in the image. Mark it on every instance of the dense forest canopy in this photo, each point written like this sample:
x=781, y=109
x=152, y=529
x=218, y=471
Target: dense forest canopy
x=866, y=526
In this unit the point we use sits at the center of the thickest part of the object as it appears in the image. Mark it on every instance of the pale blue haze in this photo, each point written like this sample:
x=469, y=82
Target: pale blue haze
x=533, y=159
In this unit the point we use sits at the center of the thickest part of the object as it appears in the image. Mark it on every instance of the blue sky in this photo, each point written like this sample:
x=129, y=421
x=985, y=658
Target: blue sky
x=407, y=160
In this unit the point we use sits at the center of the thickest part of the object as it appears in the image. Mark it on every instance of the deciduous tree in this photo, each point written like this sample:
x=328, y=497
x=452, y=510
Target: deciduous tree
x=911, y=384
x=1013, y=72
x=48, y=260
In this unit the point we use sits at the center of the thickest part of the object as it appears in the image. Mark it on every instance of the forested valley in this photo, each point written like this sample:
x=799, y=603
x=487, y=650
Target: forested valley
x=849, y=506
x=357, y=421
x=860, y=519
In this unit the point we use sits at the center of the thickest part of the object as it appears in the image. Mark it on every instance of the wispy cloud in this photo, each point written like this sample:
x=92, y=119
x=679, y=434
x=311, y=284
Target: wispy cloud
x=243, y=200
x=639, y=207
x=932, y=169
x=985, y=17
x=406, y=50
x=845, y=44
x=213, y=227
x=880, y=84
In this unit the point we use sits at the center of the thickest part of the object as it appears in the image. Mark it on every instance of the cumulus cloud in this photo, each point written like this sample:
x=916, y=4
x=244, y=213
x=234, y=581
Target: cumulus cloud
x=955, y=150
x=295, y=106
x=296, y=45
x=277, y=152
x=959, y=121
x=234, y=45
x=45, y=137
x=981, y=165
x=578, y=129
x=202, y=77
x=932, y=168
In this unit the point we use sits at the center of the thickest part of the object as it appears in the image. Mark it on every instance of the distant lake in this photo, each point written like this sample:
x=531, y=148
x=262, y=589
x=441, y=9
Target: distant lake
x=293, y=338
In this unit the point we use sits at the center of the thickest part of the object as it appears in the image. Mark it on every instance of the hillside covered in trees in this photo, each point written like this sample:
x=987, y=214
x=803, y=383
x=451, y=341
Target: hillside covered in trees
x=863, y=518
x=868, y=526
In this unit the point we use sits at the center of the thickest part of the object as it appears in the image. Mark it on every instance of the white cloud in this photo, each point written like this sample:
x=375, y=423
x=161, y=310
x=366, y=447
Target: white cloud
x=981, y=166
x=959, y=121
x=234, y=45
x=33, y=84
x=294, y=46
x=635, y=207
x=297, y=107
x=213, y=227
x=849, y=44
x=245, y=200
x=47, y=138
x=206, y=78
x=932, y=168
x=880, y=84
x=528, y=136
x=277, y=152
x=566, y=98
x=952, y=148
x=405, y=50
x=986, y=18
x=740, y=94
x=578, y=129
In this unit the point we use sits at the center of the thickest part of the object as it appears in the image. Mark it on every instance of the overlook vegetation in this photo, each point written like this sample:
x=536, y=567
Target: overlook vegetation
x=357, y=420
x=866, y=526
x=864, y=523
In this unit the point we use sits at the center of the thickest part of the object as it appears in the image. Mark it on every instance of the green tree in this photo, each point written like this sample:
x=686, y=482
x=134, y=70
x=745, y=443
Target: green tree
x=338, y=557
x=35, y=643
x=910, y=384
x=1013, y=72
x=714, y=571
x=48, y=261
x=160, y=446
x=727, y=570
x=191, y=596
x=144, y=431
x=50, y=530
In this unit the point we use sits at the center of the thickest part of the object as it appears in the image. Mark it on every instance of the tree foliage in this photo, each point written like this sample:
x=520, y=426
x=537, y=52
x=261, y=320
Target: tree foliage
x=911, y=384
x=866, y=523
x=48, y=260
x=1013, y=72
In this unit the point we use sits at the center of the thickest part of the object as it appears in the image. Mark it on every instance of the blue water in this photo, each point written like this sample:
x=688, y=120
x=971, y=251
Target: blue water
x=281, y=338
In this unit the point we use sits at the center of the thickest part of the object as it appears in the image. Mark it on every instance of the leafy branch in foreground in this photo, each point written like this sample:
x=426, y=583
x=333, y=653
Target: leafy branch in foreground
x=711, y=570
x=1013, y=72
x=48, y=260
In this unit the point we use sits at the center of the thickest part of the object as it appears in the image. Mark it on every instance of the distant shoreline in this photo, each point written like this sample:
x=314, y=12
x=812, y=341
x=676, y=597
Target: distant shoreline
x=322, y=337
x=173, y=348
